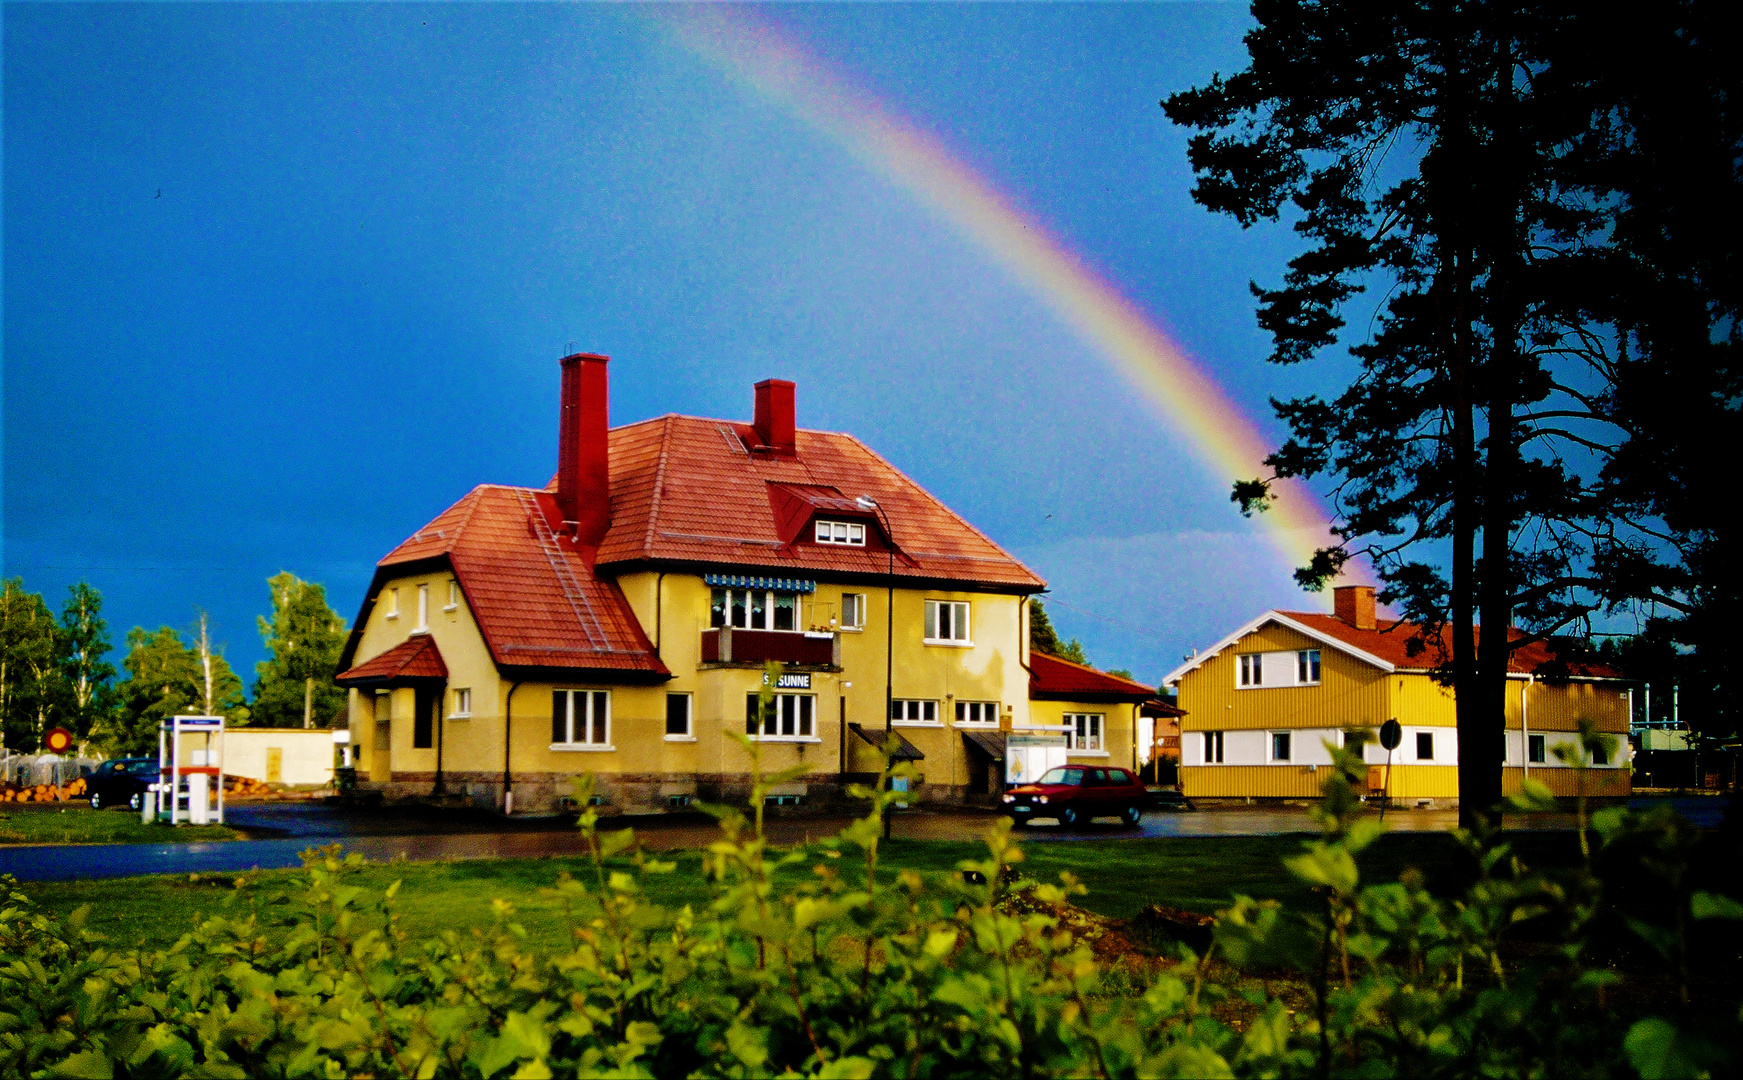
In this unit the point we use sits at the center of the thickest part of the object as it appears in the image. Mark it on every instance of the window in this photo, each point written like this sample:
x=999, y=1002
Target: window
x=462, y=702
x=1063, y=776
x=1307, y=666
x=754, y=609
x=1280, y=746
x=1600, y=756
x=1213, y=748
x=453, y=596
x=677, y=716
x=1534, y=749
x=1252, y=669
x=946, y=620
x=392, y=598
x=913, y=712
x=977, y=712
x=1119, y=776
x=581, y=719
x=841, y=532
x=1085, y=733
x=789, y=716
x=853, y=611
x=1425, y=746
x=423, y=609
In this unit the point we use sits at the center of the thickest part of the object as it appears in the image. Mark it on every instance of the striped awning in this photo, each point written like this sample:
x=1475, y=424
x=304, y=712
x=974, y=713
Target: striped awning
x=775, y=584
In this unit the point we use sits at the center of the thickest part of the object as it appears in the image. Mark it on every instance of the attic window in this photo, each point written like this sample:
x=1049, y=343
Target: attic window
x=850, y=533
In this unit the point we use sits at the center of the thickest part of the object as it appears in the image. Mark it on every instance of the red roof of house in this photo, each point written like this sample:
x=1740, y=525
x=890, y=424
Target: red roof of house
x=1052, y=677
x=686, y=489
x=532, y=595
x=1389, y=642
x=414, y=658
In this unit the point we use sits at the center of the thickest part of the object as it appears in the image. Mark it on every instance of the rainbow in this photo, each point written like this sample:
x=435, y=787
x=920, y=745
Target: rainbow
x=755, y=52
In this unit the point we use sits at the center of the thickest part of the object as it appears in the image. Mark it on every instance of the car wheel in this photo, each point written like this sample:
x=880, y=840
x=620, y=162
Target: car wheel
x=135, y=801
x=1068, y=817
x=1132, y=814
x=96, y=800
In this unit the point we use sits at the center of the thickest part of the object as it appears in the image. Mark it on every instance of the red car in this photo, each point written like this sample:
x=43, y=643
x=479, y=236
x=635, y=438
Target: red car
x=1075, y=793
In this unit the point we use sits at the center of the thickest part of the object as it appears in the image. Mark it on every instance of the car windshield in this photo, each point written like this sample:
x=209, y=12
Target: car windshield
x=141, y=768
x=1062, y=776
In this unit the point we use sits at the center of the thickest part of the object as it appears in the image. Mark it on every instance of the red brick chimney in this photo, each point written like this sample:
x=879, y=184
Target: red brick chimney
x=774, y=417
x=583, y=458
x=1354, y=604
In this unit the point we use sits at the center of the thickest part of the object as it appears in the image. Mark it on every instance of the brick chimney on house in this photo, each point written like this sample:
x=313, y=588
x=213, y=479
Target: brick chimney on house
x=583, y=450
x=1354, y=604
x=774, y=417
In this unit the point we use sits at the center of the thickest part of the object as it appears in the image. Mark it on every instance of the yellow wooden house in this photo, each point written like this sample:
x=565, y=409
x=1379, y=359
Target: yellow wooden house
x=1262, y=703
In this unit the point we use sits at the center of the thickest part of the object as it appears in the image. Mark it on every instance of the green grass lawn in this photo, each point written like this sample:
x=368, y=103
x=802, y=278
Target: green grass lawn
x=1199, y=874
x=77, y=823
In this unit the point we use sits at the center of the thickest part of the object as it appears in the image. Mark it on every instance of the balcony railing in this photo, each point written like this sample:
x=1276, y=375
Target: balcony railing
x=727, y=645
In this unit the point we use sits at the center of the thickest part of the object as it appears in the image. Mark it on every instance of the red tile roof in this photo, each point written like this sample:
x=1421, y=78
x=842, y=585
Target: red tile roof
x=533, y=595
x=1057, y=679
x=686, y=489
x=1388, y=641
x=414, y=658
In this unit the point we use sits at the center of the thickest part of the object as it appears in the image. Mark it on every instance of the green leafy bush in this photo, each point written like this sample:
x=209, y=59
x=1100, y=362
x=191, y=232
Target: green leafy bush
x=851, y=975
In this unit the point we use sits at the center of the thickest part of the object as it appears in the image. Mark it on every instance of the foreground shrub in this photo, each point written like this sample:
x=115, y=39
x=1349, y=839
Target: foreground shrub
x=862, y=974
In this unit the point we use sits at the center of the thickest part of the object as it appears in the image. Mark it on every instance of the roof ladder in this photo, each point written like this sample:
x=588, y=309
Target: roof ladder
x=585, y=617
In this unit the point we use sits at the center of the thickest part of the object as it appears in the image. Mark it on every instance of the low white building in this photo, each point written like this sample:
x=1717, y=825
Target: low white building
x=294, y=756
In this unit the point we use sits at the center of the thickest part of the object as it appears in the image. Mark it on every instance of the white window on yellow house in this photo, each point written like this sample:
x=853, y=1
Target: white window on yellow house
x=423, y=610
x=1307, y=667
x=1213, y=748
x=1252, y=669
x=581, y=720
x=1534, y=749
x=789, y=717
x=947, y=622
x=1085, y=733
x=1281, y=746
x=754, y=609
x=462, y=703
x=905, y=711
x=851, y=533
x=984, y=713
x=453, y=596
x=678, y=708
x=1425, y=746
x=392, y=598
x=853, y=611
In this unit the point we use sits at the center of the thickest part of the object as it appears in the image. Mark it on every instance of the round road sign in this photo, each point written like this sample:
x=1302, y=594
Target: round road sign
x=1391, y=734
x=57, y=740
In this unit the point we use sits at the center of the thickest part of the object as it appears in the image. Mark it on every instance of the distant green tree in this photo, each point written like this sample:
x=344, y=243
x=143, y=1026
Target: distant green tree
x=165, y=678
x=1073, y=651
x=32, y=693
x=294, y=687
x=1121, y=673
x=1042, y=638
x=84, y=642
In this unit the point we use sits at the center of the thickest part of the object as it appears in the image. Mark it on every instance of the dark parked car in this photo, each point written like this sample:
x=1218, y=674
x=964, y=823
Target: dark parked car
x=1076, y=793
x=121, y=782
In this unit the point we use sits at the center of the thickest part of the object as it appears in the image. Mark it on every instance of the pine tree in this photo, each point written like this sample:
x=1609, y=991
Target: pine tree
x=294, y=687
x=84, y=642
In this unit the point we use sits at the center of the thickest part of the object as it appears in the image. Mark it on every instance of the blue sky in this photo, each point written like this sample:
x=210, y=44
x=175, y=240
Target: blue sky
x=283, y=281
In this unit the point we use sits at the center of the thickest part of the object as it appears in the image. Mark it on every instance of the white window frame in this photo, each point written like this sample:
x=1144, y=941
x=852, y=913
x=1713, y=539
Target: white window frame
x=1419, y=736
x=1087, y=735
x=859, y=605
x=777, y=718
x=591, y=697
x=959, y=619
x=846, y=533
x=462, y=703
x=987, y=711
x=1271, y=747
x=689, y=732
x=1250, y=672
x=769, y=597
x=1307, y=663
x=392, y=611
x=1542, y=745
x=423, y=626
x=920, y=712
x=453, y=603
x=1213, y=748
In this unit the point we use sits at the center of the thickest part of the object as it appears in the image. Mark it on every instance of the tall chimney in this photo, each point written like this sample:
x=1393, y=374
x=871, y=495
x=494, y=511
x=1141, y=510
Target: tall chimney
x=1354, y=604
x=774, y=416
x=583, y=458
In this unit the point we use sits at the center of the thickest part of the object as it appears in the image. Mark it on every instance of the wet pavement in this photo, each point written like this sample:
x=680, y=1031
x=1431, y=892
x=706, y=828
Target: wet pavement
x=278, y=832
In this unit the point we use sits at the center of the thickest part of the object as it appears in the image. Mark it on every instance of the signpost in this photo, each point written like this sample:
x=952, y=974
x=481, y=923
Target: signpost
x=1391, y=734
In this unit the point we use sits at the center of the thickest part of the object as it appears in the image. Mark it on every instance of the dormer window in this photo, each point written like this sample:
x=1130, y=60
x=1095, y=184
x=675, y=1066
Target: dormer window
x=848, y=533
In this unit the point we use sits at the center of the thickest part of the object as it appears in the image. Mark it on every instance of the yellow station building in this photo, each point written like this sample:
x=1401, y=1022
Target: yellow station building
x=619, y=622
x=1262, y=703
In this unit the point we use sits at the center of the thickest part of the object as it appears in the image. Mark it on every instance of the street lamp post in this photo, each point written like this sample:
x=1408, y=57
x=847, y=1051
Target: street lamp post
x=866, y=502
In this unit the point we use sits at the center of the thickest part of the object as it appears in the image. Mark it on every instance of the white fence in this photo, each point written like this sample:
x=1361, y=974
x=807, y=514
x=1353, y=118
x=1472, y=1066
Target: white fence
x=23, y=770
